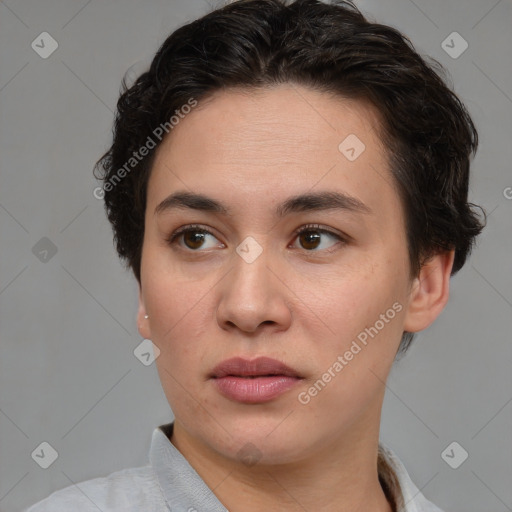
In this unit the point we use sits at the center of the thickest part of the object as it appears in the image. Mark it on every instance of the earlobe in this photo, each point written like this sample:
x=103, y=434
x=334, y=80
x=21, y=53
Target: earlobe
x=142, y=318
x=429, y=292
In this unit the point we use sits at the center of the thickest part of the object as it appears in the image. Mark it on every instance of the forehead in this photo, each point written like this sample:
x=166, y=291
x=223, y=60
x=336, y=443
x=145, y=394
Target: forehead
x=269, y=122
x=268, y=144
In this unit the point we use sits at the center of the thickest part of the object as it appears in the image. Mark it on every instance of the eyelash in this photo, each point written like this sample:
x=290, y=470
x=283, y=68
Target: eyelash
x=196, y=228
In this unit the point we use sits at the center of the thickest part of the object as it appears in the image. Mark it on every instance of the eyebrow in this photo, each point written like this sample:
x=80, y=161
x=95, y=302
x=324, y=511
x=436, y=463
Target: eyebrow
x=309, y=202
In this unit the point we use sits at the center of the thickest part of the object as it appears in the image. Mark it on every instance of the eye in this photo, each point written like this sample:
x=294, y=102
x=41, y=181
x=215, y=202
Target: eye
x=193, y=237
x=310, y=237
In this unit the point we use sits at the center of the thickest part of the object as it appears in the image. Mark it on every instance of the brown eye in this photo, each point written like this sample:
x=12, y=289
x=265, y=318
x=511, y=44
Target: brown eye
x=311, y=238
x=193, y=237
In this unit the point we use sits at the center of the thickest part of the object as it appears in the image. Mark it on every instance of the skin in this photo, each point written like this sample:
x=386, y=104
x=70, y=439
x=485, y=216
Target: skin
x=300, y=303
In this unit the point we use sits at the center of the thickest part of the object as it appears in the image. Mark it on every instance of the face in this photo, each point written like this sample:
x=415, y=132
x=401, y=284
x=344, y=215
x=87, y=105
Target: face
x=318, y=285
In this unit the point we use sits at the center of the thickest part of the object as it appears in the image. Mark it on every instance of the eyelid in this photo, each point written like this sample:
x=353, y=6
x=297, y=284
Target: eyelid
x=322, y=229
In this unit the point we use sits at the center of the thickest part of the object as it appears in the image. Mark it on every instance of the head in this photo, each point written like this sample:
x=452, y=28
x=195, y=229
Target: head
x=252, y=106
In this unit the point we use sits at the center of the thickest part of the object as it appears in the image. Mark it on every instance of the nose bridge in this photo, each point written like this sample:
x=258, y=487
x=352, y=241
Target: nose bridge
x=251, y=272
x=251, y=293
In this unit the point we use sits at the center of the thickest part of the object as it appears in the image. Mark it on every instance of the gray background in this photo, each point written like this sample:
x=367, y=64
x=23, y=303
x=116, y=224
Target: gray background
x=68, y=375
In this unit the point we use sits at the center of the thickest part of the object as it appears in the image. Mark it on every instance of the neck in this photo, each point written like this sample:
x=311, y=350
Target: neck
x=340, y=477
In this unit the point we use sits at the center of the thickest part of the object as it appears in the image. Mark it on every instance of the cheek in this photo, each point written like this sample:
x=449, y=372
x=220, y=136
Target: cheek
x=363, y=307
x=169, y=291
x=349, y=295
x=178, y=313
x=181, y=317
x=353, y=363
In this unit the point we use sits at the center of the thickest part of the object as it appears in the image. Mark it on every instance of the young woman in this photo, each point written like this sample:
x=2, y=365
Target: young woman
x=288, y=183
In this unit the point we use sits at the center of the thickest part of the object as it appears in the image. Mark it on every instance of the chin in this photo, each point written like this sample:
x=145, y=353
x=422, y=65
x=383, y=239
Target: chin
x=264, y=440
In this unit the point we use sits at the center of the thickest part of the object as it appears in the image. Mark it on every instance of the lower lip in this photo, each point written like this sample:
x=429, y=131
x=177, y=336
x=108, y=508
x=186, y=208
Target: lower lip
x=254, y=390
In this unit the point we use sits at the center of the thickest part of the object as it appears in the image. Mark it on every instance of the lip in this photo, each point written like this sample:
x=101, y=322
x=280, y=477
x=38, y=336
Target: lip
x=253, y=381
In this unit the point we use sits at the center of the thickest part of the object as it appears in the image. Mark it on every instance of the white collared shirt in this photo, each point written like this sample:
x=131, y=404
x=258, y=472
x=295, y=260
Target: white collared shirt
x=170, y=484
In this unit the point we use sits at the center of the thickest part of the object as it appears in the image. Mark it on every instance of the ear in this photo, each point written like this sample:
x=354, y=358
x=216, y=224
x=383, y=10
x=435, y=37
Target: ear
x=429, y=292
x=142, y=322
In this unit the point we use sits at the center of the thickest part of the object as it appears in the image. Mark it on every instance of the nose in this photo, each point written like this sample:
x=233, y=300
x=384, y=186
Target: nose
x=254, y=297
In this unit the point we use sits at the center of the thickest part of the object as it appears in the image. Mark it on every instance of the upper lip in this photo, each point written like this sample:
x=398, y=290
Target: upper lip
x=240, y=367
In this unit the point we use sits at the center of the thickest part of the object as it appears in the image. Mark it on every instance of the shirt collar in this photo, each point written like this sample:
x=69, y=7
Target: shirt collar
x=182, y=487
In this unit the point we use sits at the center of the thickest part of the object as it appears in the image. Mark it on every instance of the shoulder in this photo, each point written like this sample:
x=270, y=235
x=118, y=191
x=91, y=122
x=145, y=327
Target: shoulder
x=130, y=489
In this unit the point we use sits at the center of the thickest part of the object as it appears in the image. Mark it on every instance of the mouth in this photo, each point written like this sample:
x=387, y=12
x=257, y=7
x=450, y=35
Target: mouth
x=251, y=382
x=260, y=367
